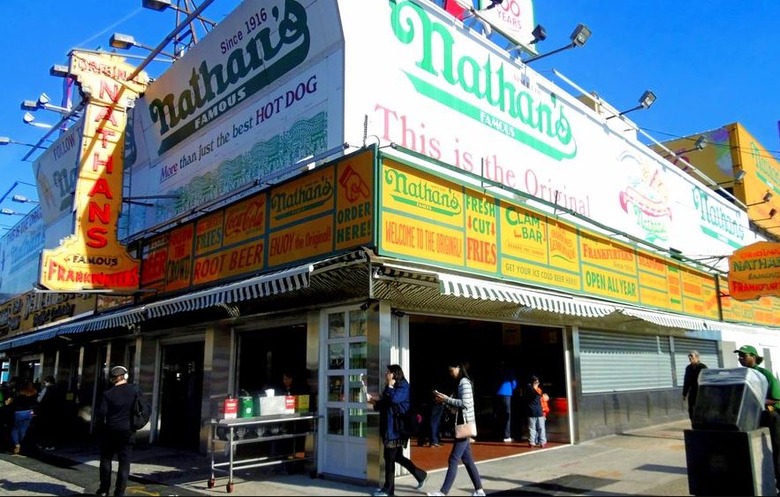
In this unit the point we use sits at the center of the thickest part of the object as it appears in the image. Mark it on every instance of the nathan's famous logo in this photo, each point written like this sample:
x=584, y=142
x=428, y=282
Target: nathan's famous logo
x=467, y=84
x=254, y=66
x=310, y=195
x=422, y=194
x=717, y=221
x=765, y=170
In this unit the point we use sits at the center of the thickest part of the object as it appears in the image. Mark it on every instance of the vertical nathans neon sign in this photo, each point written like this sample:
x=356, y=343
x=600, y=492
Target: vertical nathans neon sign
x=92, y=257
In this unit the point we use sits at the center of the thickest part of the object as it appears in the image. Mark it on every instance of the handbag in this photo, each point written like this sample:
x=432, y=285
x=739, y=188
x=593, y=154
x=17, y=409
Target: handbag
x=465, y=430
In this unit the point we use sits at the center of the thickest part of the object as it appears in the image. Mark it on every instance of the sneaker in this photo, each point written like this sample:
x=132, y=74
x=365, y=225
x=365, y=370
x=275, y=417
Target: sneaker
x=508, y=440
x=421, y=483
x=380, y=493
x=436, y=445
x=435, y=493
x=531, y=444
x=17, y=448
x=542, y=446
x=479, y=492
x=101, y=493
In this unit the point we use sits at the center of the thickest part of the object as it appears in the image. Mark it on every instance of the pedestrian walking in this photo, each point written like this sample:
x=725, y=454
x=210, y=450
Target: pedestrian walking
x=462, y=402
x=114, y=416
x=392, y=405
x=691, y=381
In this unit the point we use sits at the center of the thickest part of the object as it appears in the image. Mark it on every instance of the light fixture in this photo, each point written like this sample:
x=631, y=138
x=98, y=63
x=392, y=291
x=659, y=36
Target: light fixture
x=43, y=102
x=699, y=144
x=539, y=34
x=23, y=200
x=122, y=41
x=738, y=178
x=10, y=212
x=30, y=119
x=160, y=5
x=4, y=140
x=645, y=101
x=578, y=38
x=766, y=198
x=59, y=70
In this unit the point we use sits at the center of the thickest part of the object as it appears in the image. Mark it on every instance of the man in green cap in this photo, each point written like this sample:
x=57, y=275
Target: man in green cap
x=770, y=416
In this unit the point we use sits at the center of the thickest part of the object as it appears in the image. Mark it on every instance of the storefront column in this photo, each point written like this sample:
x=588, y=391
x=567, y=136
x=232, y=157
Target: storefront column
x=218, y=375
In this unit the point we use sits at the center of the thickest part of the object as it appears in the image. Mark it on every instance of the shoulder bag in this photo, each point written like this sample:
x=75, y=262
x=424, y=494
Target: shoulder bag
x=463, y=429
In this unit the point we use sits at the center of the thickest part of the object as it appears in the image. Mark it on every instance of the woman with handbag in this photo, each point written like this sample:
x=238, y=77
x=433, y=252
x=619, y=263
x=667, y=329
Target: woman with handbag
x=465, y=429
x=392, y=404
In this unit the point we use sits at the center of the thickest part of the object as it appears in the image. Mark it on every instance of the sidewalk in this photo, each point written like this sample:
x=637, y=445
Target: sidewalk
x=649, y=461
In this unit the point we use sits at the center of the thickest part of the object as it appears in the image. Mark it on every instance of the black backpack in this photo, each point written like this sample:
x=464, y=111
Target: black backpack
x=141, y=412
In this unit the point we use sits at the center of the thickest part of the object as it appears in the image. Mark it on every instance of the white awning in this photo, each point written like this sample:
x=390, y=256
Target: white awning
x=461, y=286
x=666, y=319
x=252, y=288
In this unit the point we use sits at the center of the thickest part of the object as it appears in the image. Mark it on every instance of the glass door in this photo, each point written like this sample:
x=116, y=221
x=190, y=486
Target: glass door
x=345, y=404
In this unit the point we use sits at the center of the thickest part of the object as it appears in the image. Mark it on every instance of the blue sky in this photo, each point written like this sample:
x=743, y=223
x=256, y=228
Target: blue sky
x=709, y=63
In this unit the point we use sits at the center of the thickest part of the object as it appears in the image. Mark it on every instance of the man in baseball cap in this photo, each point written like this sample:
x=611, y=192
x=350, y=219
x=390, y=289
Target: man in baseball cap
x=770, y=417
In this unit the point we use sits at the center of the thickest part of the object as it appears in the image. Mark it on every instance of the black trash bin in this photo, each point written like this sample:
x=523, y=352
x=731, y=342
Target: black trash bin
x=727, y=453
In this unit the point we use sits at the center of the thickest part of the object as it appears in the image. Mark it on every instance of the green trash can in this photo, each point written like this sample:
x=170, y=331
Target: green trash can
x=246, y=407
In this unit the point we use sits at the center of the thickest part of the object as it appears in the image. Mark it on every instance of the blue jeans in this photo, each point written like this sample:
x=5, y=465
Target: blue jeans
x=436, y=413
x=22, y=421
x=461, y=451
x=537, y=433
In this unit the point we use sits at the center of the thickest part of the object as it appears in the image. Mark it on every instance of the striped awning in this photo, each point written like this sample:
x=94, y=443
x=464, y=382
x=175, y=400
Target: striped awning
x=461, y=286
x=108, y=320
x=28, y=338
x=251, y=288
x=667, y=319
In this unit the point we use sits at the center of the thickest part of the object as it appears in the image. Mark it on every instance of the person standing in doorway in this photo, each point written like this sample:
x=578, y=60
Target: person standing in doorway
x=538, y=408
x=507, y=384
x=48, y=414
x=747, y=355
x=392, y=404
x=113, y=416
x=691, y=381
x=462, y=401
x=22, y=404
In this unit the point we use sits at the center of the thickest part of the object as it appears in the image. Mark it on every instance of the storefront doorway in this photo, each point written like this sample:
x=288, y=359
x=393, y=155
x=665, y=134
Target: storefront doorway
x=529, y=350
x=181, y=392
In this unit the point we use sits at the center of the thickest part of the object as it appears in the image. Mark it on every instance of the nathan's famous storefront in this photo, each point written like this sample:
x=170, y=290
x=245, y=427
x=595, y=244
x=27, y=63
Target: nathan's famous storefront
x=375, y=270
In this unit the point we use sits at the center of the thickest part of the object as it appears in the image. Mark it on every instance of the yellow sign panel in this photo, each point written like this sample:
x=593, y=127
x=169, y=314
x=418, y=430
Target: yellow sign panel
x=354, y=201
x=301, y=241
x=523, y=234
x=403, y=235
x=234, y=261
x=32, y=310
x=754, y=271
x=416, y=193
x=659, y=283
x=304, y=197
x=92, y=257
x=481, y=246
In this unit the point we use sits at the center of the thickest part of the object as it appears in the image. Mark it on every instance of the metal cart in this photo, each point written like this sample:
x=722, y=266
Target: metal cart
x=230, y=433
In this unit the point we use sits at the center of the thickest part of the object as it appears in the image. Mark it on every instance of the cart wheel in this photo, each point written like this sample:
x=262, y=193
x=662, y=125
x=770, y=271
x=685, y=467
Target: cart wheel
x=229, y=487
x=211, y=482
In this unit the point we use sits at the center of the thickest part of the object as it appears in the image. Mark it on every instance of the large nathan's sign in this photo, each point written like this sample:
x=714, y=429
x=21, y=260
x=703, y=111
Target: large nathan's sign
x=92, y=257
x=754, y=271
x=259, y=93
x=451, y=94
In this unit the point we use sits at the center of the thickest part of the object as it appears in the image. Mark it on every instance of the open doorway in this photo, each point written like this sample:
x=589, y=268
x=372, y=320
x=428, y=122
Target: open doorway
x=483, y=346
x=181, y=394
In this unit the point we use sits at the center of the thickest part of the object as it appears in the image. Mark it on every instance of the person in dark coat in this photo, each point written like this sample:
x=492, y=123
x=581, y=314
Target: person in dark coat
x=691, y=381
x=49, y=413
x=393, y=402
x=113, y=416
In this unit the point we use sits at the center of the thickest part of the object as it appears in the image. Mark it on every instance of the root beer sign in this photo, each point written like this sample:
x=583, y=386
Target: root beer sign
x=92, y=257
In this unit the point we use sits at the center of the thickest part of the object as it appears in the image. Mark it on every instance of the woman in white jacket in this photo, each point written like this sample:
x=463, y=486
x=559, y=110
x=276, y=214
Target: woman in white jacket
x=463, y=403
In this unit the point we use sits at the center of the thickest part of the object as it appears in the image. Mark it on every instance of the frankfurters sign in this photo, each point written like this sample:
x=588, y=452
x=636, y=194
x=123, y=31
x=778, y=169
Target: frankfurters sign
x=754, y=271
x=92, y=257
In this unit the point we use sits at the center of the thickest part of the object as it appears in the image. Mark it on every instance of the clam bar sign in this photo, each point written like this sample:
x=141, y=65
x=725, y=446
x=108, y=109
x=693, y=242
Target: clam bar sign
x=92, y=257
